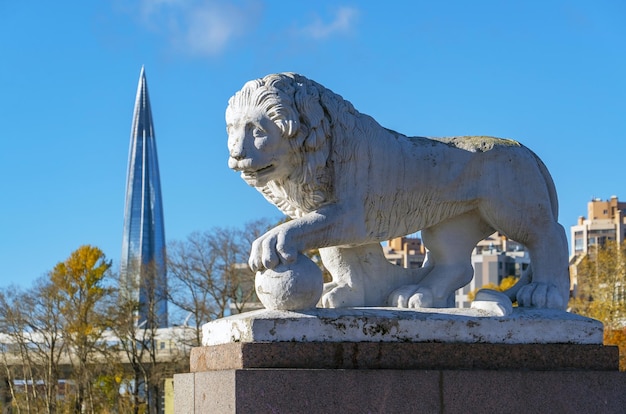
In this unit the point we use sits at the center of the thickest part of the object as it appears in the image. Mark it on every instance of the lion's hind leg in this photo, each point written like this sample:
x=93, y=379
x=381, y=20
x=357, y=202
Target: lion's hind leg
x=450, y=244
x=536, y=227
x=550, y=274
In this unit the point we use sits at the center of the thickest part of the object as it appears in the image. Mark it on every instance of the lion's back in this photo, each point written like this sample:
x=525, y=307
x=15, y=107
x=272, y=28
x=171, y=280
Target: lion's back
x=427, y=180
x=480, y=143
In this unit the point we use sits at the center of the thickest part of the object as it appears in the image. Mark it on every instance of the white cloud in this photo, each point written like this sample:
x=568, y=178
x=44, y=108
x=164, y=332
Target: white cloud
x=198, y=27
x=343, y=21
x=208, y=27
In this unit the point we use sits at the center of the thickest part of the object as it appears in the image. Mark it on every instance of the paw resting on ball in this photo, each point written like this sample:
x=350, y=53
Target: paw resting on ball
x=294, y=286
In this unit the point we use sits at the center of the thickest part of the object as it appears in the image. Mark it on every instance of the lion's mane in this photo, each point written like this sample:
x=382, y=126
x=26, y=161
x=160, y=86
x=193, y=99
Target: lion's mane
x=308, y=115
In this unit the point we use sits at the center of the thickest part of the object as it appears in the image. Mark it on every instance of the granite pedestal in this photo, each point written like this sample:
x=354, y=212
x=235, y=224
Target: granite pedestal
x=391, y=361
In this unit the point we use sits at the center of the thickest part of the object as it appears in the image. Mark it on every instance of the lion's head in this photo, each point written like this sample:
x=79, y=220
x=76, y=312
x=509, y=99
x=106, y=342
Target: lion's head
x=279, y=131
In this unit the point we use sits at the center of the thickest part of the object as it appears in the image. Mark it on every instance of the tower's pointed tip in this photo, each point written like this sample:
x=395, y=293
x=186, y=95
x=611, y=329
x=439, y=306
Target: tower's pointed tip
x=143, y=71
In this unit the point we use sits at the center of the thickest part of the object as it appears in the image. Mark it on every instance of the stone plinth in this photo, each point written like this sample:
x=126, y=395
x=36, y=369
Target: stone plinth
x=523, y=326
x=313, y=391
x=388, y=360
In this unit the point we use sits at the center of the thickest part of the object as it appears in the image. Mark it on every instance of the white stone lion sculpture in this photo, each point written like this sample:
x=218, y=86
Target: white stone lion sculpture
x=349, y=184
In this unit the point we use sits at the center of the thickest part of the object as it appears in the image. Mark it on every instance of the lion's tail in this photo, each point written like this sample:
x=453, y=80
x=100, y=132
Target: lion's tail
x=526, y=278
x=502, y=302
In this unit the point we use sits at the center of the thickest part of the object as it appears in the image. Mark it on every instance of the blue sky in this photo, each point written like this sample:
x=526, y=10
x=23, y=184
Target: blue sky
x=551, y=74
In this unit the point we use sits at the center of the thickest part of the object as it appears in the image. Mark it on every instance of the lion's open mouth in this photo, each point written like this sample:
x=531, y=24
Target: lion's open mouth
x=258, y=177
x=265, y=169
x=260, y=171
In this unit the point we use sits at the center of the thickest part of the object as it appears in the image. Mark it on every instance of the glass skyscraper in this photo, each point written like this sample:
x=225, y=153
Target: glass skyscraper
x=143, y=268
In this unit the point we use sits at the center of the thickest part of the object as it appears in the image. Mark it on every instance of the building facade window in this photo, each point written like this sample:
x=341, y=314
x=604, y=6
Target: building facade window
x=579, y=245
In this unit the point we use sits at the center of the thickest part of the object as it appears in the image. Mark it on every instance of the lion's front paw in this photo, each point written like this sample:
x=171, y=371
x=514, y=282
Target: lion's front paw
x=271, y=249
x=411, y=296
x=540, y=295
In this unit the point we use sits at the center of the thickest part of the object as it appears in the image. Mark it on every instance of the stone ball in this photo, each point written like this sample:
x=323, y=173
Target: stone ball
x=292, y=286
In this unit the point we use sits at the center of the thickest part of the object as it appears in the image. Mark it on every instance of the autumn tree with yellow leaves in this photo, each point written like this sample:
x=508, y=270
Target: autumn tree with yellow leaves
x=505, y=283
x=79, y=282
x=60, y=319
x=601, y=292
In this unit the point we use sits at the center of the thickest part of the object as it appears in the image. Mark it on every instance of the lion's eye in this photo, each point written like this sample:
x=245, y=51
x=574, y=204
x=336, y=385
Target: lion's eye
x=258, y=133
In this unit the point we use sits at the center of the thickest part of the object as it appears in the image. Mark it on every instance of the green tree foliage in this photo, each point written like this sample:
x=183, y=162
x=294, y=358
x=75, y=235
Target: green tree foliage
x=601, y=292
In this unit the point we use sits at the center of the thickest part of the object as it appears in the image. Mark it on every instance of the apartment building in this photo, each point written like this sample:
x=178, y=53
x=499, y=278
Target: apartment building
x=493, y=259
x=605, y=221
x=408, y=251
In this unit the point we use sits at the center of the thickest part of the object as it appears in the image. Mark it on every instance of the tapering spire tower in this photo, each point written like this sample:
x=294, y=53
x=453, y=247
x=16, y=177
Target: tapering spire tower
x=143, y=269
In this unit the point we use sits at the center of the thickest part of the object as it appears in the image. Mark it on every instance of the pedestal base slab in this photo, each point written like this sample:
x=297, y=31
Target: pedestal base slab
x=399, y=391
x=523, y=326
